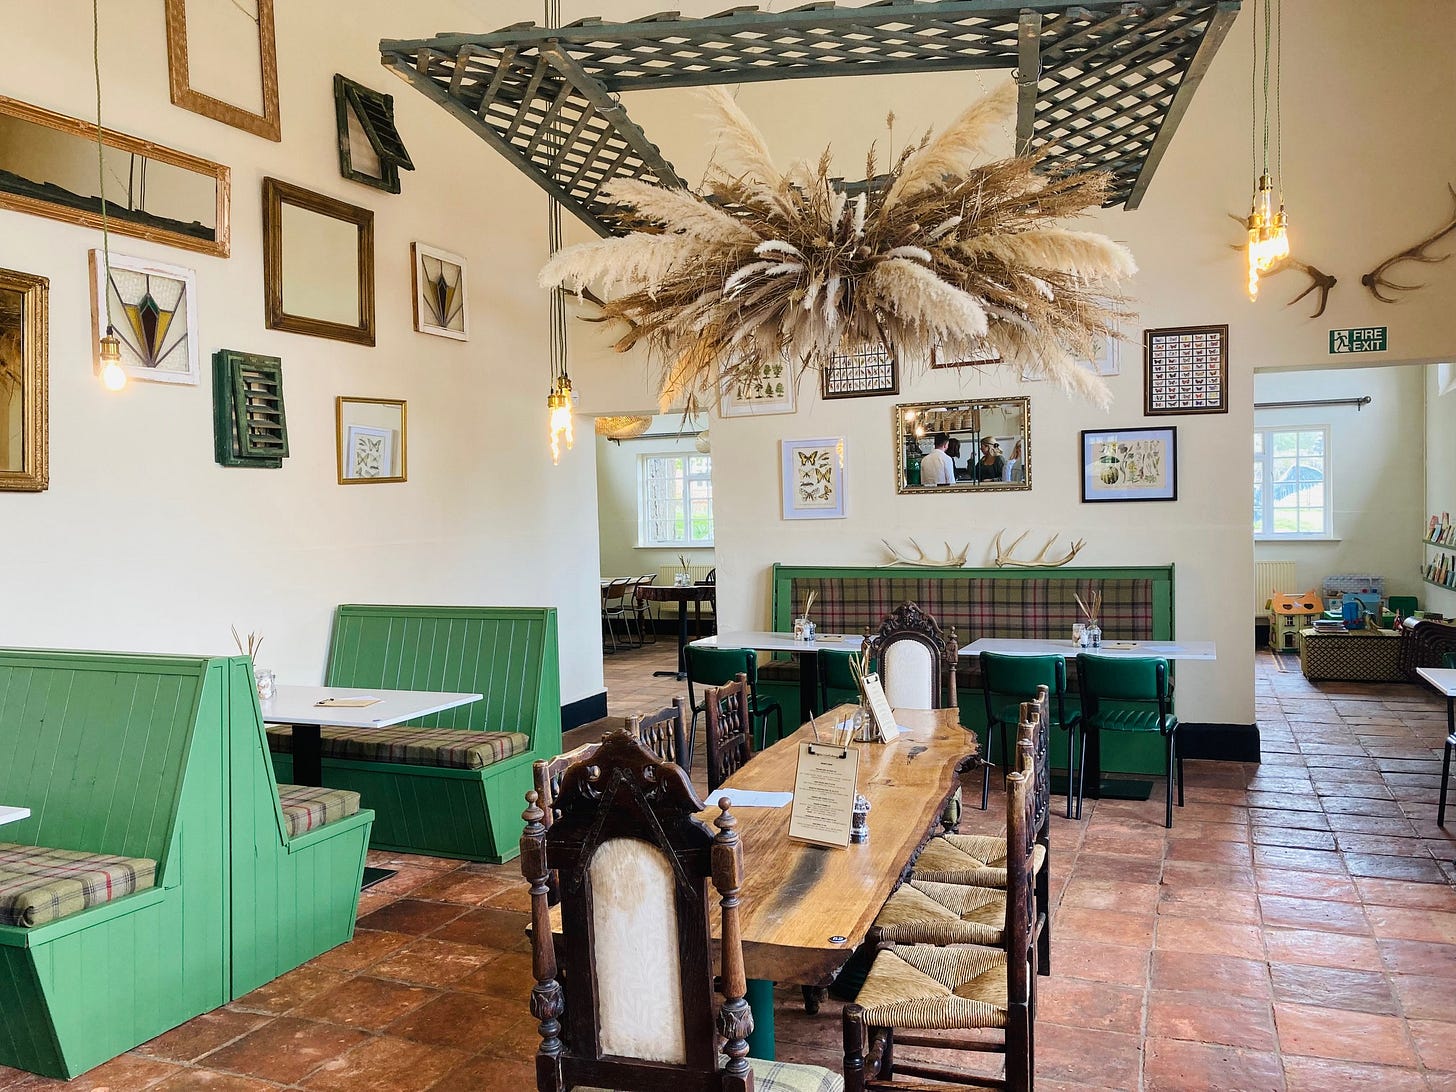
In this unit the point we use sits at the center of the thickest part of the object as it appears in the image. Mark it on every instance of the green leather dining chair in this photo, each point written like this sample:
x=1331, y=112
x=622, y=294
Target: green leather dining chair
x=719, y=667
x=1125, y=694
x=1006, y=682
x=836, y=680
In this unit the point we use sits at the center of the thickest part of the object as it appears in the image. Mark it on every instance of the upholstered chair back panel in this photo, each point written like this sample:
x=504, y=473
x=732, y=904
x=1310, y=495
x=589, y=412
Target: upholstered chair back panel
x=911, y=675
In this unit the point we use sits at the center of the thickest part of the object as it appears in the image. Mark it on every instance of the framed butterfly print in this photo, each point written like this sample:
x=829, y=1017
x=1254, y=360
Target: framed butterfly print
x=813, y=478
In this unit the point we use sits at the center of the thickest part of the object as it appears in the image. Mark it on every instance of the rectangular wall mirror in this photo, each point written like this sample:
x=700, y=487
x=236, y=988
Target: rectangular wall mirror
x=214, y=69
x=48, y=168
x=975, y=446
x=373, y=439
x=318, y=264
x=24, y=382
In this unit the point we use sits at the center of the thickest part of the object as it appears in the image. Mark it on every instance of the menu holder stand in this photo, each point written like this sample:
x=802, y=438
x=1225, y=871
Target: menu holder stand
x=824, y=789
x=880, y=711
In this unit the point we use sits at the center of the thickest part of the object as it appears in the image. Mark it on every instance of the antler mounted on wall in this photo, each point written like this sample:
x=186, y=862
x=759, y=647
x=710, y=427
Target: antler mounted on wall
x=952, y=560
x=1376, y=280
x=1318, y=278
x=1040, y=561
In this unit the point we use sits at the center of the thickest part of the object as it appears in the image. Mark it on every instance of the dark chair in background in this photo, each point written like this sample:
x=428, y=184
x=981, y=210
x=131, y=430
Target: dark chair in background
x=716, y=666
x=729, y=731
x=1006, y=682
x=664, y=733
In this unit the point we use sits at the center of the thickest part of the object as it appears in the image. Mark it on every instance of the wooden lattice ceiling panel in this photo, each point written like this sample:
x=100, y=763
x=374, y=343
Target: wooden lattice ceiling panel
x=1104, y=83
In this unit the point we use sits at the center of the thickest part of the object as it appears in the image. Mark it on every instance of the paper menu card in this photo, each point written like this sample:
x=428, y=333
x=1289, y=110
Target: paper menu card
x=751, y=798
x=824, y=794
x=348, y=703
x=880, y=708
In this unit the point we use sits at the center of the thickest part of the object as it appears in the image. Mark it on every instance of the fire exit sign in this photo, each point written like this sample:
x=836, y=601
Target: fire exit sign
x=1369, y=339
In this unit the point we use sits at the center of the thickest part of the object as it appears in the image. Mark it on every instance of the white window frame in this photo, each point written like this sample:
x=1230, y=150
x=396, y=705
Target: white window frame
x=645, y=539
x=1268, y=535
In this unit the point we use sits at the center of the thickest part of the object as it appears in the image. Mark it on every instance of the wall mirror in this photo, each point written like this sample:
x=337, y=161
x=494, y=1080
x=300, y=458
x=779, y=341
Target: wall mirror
x=48, y=168
x=215, y=69
x=318, y=266
x=24, y=381
x=980, y=446
x=373, y=440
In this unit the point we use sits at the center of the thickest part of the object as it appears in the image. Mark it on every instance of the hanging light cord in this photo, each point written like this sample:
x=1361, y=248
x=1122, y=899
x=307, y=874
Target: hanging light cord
x=101, y=163
x=1279, y=99
x=557, y=347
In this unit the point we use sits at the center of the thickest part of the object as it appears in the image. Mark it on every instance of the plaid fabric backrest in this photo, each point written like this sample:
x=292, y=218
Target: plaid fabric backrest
x=982, y=606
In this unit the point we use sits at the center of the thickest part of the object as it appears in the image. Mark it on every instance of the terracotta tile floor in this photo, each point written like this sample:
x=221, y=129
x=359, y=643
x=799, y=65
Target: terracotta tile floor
x=1296, y=929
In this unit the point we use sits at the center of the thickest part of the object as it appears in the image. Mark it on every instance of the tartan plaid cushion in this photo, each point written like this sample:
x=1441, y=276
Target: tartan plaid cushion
x=38, y=884
x=306, y=806
x=412, y=746
x=982, y=606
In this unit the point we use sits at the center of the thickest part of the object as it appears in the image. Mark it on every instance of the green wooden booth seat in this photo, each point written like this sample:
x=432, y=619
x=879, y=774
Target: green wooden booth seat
x=162, y=760
x=1137, y=605
x=507, y=654
x=447, y=747
x=306, y=807
x=39, y=884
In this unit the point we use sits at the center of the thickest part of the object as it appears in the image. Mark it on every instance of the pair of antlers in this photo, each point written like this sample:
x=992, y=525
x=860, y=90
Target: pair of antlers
x=1040, y=561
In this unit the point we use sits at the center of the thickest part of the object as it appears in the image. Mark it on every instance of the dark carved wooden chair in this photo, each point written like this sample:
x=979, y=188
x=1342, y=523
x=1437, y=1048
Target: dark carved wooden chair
x=916, y=661
x=914, y=994
x=730, y=729
x=637, y=1008
x=664, y=733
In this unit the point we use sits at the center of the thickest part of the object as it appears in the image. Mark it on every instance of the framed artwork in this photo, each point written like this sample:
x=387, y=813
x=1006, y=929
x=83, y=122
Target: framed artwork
x=980, y=358
x=768, y=390
x=215, y=72
x=1133, y=464
x=813, y=474
x=1107, y=361
x=24, y=381
x=1187, y=370
x=318, y=264
x=372, y=437
x=371, y=150
x=860, y=375
x=153, y=307
x=438, y=279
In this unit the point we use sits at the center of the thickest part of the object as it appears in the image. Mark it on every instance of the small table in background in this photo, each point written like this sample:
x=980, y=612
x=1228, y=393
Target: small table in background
x=682, y=595
x=13, y=815
x=298, y=707
x=1443, y=681
x=806, y=651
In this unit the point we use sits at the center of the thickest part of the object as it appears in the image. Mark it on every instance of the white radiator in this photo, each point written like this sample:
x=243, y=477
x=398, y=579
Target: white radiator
x=665, y=573
x=1271, y=577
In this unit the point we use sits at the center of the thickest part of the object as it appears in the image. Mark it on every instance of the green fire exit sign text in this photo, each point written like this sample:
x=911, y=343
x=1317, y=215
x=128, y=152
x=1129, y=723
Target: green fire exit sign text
x=1369, y=339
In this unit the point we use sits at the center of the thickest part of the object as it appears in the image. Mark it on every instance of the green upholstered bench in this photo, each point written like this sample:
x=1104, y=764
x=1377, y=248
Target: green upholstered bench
x=39, y=884
x=449, y=748
x=150, y=773
x=432, y=792
x=1137, y=605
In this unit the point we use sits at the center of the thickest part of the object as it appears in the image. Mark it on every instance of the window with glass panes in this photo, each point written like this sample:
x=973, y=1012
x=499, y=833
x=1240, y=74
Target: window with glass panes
x=675, y=500
x=1292, y=483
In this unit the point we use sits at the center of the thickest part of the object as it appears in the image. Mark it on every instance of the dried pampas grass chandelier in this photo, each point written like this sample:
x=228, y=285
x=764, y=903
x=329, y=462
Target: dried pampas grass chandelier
x=938, y=255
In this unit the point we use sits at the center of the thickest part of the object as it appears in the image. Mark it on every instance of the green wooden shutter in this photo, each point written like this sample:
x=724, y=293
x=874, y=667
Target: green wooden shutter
x=249, y=425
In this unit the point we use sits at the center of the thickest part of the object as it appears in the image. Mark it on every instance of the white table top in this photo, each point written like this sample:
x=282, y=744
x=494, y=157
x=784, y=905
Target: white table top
x=1009, y=646
x=763, y=641
x=299, y=705
x=1168, y=650
x=1443, y=679
x=13, y=815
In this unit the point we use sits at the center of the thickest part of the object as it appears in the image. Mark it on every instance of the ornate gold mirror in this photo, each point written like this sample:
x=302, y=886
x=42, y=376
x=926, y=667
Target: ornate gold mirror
x=373, y=439
x=318, y=264
x=48, y=168
x=971, y=447
x=24, y=381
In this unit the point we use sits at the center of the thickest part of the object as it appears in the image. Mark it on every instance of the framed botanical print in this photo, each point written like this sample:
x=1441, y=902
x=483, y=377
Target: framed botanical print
x=1132, y=464
x=1186, y=370
x=438, y=280
x=769, y=389
x=153, y=307
x=813, y=473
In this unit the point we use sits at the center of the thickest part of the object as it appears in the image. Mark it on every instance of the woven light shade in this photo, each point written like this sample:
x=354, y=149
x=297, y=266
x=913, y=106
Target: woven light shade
x=623, y=427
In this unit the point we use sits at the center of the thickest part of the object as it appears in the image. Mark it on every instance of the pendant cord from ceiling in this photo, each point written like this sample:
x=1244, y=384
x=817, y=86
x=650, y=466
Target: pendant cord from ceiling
x=101, y=162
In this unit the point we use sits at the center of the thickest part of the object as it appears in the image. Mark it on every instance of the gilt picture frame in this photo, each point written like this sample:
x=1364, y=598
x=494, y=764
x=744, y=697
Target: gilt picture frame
x=266, y=124
x=24, y=382
x=438, y=283
x=813, y=478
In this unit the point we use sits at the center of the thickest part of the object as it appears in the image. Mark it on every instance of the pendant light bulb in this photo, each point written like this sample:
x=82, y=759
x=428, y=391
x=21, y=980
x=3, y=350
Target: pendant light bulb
x=559, y=424
x=113, y=376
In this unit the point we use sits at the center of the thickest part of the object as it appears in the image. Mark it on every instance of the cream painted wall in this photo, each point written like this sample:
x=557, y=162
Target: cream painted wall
x=143, y=542
x=1359, y=190
x=1440, y=470
x=1377, y=472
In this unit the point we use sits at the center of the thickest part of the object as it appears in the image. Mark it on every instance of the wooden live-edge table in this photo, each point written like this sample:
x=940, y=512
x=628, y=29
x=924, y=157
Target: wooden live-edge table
x=298, y=707
x=1101, y=787
x=805, y=908
x=1443, y=681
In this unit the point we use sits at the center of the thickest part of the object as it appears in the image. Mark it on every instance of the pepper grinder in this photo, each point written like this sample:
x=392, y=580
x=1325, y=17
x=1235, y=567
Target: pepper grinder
x=859, y=829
